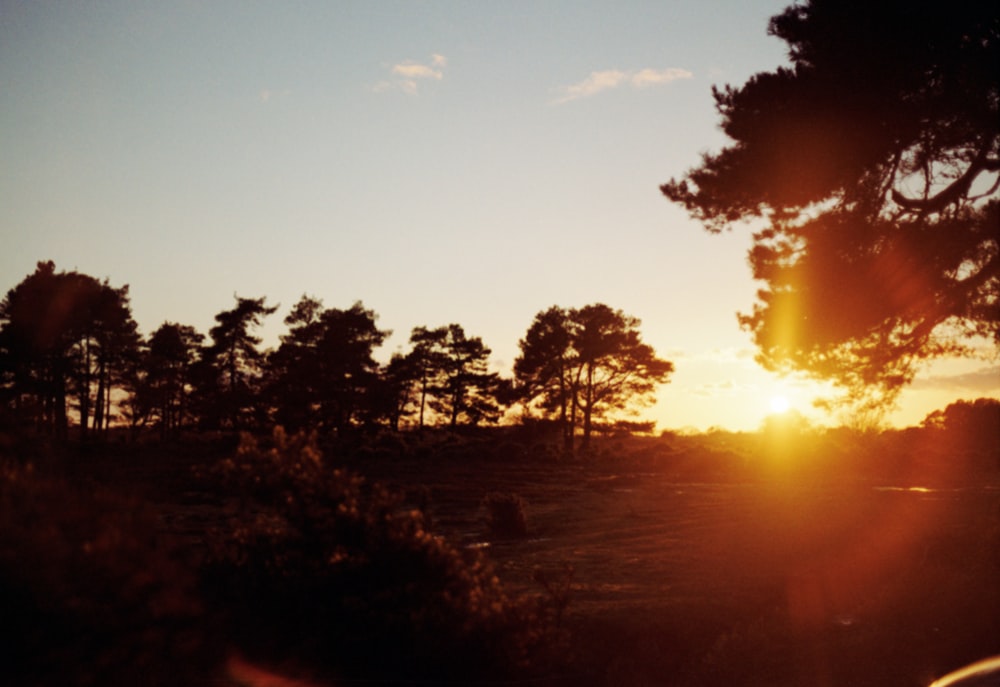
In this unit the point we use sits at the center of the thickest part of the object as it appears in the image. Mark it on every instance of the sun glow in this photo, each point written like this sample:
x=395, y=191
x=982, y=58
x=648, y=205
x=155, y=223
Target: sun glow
x=779, y=404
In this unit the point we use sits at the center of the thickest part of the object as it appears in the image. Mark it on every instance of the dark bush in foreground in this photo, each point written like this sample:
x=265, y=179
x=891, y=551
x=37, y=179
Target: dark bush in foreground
x=89, y=594
x=321, y=568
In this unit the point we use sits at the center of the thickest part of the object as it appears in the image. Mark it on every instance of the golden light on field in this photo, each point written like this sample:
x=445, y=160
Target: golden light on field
x=780, y=404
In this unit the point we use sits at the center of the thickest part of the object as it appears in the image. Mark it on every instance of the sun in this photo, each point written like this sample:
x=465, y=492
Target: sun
x=779, y=404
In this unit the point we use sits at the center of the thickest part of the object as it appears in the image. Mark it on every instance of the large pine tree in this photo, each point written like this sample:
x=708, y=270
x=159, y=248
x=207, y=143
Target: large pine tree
x=872, y=161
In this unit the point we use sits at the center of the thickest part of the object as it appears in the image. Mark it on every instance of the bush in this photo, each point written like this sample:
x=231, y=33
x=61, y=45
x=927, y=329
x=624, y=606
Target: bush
x=505, y=516
x=321, y=567
x=91, y=595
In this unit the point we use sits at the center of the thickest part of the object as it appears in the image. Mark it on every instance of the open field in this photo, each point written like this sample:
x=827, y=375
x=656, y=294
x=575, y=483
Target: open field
x=678, y=570
x=767, y=582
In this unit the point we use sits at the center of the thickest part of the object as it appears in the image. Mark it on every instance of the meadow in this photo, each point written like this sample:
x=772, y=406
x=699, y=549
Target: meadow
x=715, y=559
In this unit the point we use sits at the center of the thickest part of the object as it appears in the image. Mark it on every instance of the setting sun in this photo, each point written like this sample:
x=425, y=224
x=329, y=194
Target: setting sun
x=779, y=404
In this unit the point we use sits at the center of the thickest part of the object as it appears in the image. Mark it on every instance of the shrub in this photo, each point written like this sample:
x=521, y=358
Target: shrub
x=323, y=568
x=91, y=595
x=505, y=516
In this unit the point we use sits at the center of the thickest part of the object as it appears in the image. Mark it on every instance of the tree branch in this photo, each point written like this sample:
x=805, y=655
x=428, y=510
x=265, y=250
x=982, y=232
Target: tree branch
x=954, y=192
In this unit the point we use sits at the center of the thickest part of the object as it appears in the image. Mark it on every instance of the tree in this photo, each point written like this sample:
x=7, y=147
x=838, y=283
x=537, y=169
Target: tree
x=393, y=392
x=448, y=373
x=546, y=368
x=323, y=374
x=112, y=343
x=166, y=369
x=873, y=163
x=231, y=365
x=424, y=362
x=64, y=334
x=970, y=425
x=584, y=364
x=466, y=389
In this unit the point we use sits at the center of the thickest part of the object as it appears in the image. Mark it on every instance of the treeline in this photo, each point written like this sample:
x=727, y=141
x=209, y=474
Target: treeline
x=72, y=356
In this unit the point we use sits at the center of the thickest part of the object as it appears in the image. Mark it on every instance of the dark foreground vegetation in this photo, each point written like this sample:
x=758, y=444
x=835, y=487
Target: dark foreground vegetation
x=493, y=557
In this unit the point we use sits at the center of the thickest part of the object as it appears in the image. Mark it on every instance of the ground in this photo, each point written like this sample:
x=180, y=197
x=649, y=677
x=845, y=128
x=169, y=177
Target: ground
x=680, y=561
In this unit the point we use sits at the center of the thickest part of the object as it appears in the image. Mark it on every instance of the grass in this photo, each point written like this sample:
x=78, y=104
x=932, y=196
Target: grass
x=655, y=561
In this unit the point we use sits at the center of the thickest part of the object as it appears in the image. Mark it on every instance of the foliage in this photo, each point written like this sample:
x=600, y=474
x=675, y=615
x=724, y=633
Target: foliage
x=424, y=363
x=322, y=566
x=91, y=594
x=586, y=363
x=163, y=384
x=873, y=162
x=466, y=389
x=64, y=335
x=450, y=373
x=323, y=375
x=505, y=515
x=969, y=425
x=391, y=396
x=231, y=366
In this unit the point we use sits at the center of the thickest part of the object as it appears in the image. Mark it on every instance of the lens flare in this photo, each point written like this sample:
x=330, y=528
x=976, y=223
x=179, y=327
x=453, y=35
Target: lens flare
x=779, y=404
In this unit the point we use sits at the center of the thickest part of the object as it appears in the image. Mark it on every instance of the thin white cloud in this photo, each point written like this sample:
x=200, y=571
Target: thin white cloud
x=592, y=85
x=654, y=77
x=984, y=380
x=407, y=75
x=266, y=95
x=726, y=388
x=413, y=70
x=608, y=79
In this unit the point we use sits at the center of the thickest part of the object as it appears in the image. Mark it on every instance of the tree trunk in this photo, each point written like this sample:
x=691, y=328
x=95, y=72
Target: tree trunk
x=588, y=407
x=423, y=399
x=98, y=423
x=456, y=401
x=84, y=389
x=59, y=417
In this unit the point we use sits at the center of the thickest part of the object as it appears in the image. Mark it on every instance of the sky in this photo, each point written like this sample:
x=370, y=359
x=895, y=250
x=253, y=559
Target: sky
x=441, y=162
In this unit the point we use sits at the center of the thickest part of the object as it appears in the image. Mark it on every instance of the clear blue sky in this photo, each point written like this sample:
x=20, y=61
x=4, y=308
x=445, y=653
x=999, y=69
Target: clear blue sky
x=442, y=162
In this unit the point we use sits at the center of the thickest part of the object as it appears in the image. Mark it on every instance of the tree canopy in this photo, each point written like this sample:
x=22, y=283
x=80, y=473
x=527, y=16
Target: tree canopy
x=872, y=166
x=163, y=384
x=64, y=336
x=448, y=372
x=231, y=367
x=582, y=364
x=323, y=372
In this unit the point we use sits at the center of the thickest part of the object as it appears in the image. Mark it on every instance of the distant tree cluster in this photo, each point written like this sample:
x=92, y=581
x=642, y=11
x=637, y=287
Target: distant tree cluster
x=71, y=355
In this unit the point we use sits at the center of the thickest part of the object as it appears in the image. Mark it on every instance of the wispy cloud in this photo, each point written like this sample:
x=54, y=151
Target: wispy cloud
x=608, y=79
x=983, y=380
x=266, y=95
x=406, y=76
x=716, y=389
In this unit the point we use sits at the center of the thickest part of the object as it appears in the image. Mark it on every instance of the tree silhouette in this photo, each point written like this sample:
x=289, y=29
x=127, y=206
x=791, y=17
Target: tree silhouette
x=467, y=391
x=292, y=369
x=323, y=373
x=547, y=369
x=448, y=373
x=873, y=162
x=971, y=425
x=112, y=344
x=166, y=369
x=584, y=364
x=425, y=362
x=231, y=366
x=393, y=392
x=64, y=335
